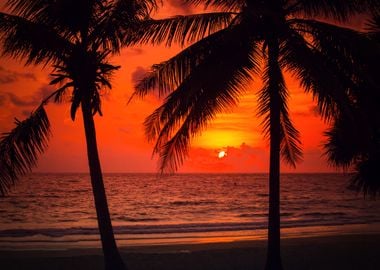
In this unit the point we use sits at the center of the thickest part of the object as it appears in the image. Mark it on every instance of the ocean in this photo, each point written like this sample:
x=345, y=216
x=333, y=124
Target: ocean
x=48, y=210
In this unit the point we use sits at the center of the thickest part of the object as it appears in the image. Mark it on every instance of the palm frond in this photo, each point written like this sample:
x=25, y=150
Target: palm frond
x=348, y=47
x=133, y=10
x=213, y=86
x=373, y=27
x=34, y=42
x=118, y=22
x=291, y=150
x=26, y=8
x=225, y=5
x=66, y=16
x=179, y=29
x=347, y=138
x=319, y=74
x=337, y=9
x=20, y=148
x=366, y=178
x=290, y=143
x=167, y=76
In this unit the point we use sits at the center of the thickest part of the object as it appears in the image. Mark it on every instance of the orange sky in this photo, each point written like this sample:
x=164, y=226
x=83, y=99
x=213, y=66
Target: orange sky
x=122, y=145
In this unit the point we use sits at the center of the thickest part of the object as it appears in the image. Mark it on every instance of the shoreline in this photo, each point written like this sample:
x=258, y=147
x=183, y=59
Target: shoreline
x=140, y=242
x=329, y=252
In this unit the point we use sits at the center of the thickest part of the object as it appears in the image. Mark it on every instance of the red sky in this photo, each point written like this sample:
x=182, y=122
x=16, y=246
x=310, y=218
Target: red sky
x=122, y=145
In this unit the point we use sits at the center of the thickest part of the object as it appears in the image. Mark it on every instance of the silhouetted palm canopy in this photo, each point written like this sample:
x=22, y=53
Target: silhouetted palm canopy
x=77, y=38
x=354, y=138
x=209, y=76
x=265, y=39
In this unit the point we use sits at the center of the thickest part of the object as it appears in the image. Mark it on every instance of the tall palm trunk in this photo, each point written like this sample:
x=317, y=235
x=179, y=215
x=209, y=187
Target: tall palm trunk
x=273, y=250
x=112, y=258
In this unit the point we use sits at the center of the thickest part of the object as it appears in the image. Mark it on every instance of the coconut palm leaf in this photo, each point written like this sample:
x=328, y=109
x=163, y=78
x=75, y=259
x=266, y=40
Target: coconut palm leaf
x=20, y=148
x=225, y=5
x=373, y=27
x=118, y=22
x=346, y=140
x=317, y=74
x=200, y=96
x=366, y=178
x=34, y=42
x=178, y=29
x=167, y=76
x=347, y=47
x=290, y=143
x=337, y=9
x=67, y=16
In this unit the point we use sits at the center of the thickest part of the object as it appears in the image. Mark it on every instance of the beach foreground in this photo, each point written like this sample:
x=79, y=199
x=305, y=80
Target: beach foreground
x=323, y=252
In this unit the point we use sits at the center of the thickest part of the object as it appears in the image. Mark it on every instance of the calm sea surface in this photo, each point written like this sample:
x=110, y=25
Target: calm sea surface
x=61, y=205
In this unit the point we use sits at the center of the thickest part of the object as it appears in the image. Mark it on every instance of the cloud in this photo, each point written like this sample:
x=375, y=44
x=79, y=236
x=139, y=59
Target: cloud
x=8, y=76
x=23, y=101
x=33, y=100
x=248, y=159
x=182, y=6
x=3, y=99
x=307, y=111
x=138, y=74
x=134, y=51
x=26, y=113
x=244, y=158
x=125, y=130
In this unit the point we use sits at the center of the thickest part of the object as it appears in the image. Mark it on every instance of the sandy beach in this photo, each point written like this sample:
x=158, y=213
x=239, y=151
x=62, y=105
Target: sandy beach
x=345, y=251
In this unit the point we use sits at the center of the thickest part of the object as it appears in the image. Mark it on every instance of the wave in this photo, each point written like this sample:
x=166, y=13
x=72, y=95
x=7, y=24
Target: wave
x=129, y=219
x=170, y=228
x=186, y=203
x=321, y=214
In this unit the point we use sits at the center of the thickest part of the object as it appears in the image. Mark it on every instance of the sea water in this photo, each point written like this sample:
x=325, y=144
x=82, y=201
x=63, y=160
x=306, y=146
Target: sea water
x=59, y=208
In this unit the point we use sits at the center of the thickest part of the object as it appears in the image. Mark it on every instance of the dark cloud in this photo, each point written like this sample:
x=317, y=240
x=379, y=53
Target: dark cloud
x=134, y=51
x=138, y=74
x=310, y=111
x=243, y=158
x=44, y=91
x=182, y=6
x=9, y=76
x=27, y=101
x=125, y=130
x=26, y=113
x=314, y=110
x=3, y=99
x=21, y=101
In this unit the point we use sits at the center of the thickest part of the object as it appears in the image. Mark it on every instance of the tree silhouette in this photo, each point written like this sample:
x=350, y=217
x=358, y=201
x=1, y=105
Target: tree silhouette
x=77, y=38
x=265, y=38
x=354, y=137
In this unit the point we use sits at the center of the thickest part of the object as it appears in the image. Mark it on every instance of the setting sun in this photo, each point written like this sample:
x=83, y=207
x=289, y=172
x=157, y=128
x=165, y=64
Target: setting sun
x=222, y=154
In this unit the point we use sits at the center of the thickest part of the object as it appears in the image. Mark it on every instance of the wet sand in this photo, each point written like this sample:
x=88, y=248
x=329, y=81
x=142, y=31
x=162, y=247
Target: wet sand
x=350, y=251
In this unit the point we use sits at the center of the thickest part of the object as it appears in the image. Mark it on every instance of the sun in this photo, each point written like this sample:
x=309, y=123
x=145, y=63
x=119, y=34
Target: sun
x=222, y=154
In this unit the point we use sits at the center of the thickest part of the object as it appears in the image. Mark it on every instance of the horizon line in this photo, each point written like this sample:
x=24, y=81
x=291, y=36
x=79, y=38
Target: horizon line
x=195, y=172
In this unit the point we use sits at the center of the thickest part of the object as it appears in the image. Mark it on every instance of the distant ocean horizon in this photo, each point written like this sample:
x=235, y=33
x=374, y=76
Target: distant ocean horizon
x=51, y=208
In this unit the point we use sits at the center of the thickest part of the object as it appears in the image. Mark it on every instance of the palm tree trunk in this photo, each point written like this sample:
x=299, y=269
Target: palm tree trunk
x=274, y=261
x=112, y=258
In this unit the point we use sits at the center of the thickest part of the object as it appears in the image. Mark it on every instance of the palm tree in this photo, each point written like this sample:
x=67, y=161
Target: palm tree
x=265, y=38
x=354, y=138
x=77, y=38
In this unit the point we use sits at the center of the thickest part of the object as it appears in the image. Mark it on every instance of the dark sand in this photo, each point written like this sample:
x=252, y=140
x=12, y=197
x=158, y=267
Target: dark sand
x=359, y=252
